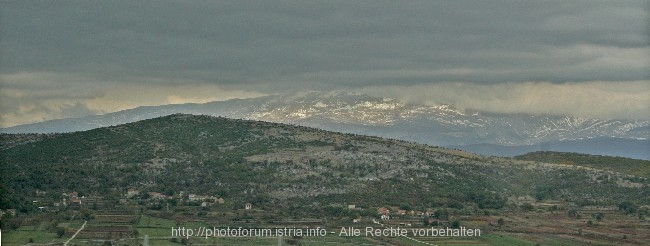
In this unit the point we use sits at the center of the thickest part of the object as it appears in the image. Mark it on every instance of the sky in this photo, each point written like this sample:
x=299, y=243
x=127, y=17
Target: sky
x=61, y=59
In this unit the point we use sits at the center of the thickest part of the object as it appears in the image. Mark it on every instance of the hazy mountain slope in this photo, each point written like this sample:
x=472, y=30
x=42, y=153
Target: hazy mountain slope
x=619, y=164
x=631, y=148
x=275, y=164
x=344, y=112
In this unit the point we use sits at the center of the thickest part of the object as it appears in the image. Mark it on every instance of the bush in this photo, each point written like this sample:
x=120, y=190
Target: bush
x=60, y=232
x=455, y=224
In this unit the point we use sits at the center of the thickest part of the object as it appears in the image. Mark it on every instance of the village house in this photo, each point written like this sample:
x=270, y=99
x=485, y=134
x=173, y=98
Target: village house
x=385, y=217
x=132, y=192
x=157, y=195
x=351, y=206
x=248, y=206
x=195, y=197
x=75, y=201
x=383, y=211
x=220, y=200
x=401, y=212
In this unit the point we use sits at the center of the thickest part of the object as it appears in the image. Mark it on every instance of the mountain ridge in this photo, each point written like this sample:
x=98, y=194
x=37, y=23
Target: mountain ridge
x=441, y=125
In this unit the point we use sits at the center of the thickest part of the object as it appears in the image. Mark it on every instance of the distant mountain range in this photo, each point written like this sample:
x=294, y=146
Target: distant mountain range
x=441, y=125
x=631, y=148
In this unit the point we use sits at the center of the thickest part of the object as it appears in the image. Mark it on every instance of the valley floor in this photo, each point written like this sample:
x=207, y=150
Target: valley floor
x=501, y=227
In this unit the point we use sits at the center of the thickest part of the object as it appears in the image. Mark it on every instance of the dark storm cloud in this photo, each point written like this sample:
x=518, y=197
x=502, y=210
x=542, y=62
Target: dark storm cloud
x=256, y=42
x=273, y=46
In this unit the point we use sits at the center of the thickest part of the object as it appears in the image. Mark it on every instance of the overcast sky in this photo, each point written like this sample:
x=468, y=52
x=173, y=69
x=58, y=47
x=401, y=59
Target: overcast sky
x=72, y=58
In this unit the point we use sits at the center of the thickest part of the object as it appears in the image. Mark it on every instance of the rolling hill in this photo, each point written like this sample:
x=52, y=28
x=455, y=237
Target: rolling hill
x=279, y=166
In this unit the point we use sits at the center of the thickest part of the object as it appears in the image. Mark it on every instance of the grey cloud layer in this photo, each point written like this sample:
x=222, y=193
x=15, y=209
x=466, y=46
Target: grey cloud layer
x=276, y=41
x=273, y=46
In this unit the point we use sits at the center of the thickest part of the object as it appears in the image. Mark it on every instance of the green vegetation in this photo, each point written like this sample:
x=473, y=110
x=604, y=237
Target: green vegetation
x=22, y=236
x=234, y=159
x=290, y=175
x=495, y=239
x=634, y=167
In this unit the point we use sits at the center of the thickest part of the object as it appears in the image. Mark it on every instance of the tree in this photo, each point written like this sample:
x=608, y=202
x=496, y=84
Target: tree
x=60, y=232
x=53, y=223
x=455, y=224
x=599, y=216
x=85, y=213
x=627, y=207
x=14, y=223
x=406, y=207
x=169, y=191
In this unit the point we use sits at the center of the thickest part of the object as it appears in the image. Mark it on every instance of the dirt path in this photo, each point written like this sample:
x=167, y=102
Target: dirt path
x=75, y=234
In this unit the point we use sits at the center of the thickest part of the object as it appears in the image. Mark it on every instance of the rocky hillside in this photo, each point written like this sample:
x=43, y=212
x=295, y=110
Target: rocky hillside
x=275, y=164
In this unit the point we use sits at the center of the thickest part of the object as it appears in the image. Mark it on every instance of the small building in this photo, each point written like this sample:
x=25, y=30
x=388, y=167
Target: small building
x=248, y=206
x=351, y=206
x=195, y=197
x=356, y=220
x=385, y=217
x=132, y=192
x=75, y=201
x=11, y=211
x=221, y=200
x=383, y=211
x=157, y=195
x=204, y=204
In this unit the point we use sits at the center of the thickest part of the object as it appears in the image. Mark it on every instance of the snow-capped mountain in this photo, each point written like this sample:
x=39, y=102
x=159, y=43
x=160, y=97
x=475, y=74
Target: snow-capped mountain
x=441, y=125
